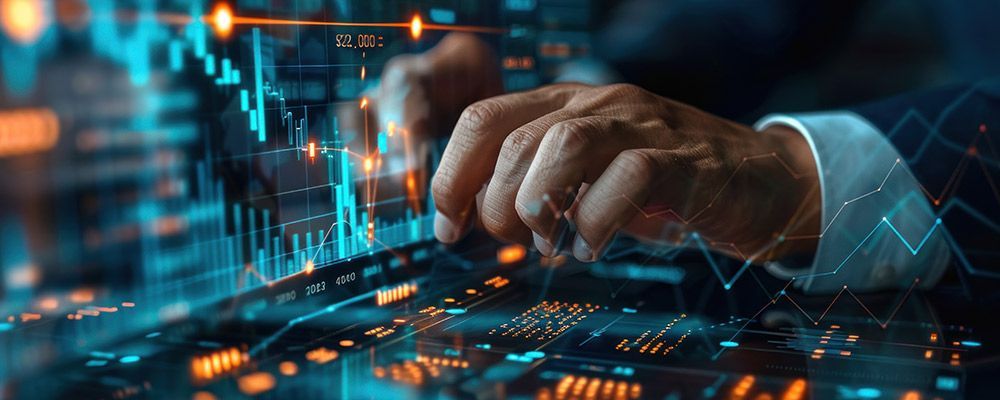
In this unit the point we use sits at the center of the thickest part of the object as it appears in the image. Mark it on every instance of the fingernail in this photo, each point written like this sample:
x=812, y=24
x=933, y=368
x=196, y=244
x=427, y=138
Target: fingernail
x=542, y=245
x=582, y=250
x=445, y=230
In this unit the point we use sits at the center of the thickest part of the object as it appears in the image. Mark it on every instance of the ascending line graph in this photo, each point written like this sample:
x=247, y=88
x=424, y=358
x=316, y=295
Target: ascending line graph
x=704, y=244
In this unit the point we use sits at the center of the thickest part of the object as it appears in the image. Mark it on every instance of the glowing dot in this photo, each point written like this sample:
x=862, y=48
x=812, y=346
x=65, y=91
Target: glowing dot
x=364, y=103
x=288, y=368
x=23, y=20
x=222, y=20
x=346, y=343
x=728, y=343
x=310, y=266
x=416, y=27
x=368, y=165
x=869, y=393
x=391, y=128
x=455, y=311
x=128, y=359
x=362, y=72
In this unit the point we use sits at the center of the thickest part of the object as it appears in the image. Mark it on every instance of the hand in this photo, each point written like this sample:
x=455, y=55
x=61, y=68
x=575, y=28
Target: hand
x=422, y=93
x=653, y=167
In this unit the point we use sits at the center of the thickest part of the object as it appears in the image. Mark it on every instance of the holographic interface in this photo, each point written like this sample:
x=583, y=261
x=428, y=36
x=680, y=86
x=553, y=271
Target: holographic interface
x=491, y=199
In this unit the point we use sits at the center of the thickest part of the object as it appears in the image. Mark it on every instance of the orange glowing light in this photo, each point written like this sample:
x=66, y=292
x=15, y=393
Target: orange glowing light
x=288, y=368
x=511, y=254
x=222, y=20
x=411, y=183
x=743, y=386
x=391, y=128
x=203, y=395
x=310, y=266
x=362, y=72
x=312, y=149
x=364, y=103
x=256, y=383
x=795, y=390
x=48, y=303
x=83, y=295
x=27, y=130
x=346, y=343
x=23, y=20
x=911, y=395
x=416, y=27
x=369, y=165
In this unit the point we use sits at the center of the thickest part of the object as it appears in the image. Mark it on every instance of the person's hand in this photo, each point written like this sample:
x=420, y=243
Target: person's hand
x=651, y=166
x=423, y=93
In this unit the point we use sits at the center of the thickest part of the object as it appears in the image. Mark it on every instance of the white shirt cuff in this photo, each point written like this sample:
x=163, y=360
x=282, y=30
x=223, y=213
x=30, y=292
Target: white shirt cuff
x=878, y=230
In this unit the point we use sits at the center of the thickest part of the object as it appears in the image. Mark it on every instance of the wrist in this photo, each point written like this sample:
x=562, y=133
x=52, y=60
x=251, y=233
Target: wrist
x=797, y=229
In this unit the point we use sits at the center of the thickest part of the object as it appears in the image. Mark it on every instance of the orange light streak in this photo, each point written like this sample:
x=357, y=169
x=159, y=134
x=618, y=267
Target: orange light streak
x=416, y=27
x=222, y=20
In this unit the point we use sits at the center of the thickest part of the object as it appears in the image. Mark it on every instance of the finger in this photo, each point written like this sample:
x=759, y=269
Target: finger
x=469, y=159
x=572, y=152
x=613, y=200
x=498, y=212
x=403, y=100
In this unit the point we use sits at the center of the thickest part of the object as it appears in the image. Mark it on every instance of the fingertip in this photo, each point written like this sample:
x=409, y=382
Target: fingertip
x=542, y=245
x=446, y=230
x=582, y=250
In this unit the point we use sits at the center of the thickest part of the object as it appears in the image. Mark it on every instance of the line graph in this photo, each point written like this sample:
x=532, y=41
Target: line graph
x=784, y=294
x=704, y=244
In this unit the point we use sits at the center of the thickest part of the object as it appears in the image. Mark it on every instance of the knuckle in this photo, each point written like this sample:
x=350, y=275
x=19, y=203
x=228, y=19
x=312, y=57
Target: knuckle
x=517, y=145
x=479, y=114
x=626, y=89
x=571, y=137
x=635, y=164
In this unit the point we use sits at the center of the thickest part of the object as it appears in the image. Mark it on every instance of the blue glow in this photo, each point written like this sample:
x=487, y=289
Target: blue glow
x=534, y=354
x=455, y=311
x=728, y=343
x=96, y=363
x=949, y=383
x=128, y=359
x=971, y=343
x=6, y=326
x=869, y=393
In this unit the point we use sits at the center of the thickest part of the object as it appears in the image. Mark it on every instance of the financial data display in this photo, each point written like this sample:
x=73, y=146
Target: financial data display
x=219, y=199
x=163, y=155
